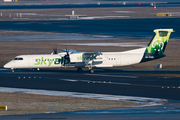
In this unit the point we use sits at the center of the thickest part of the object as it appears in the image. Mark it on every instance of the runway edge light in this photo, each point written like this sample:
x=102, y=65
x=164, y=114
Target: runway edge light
x=3, y=108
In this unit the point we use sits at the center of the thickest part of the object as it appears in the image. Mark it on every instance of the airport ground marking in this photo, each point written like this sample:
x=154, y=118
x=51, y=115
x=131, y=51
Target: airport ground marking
x=110, y=82
x=112, y=75
x=144, y=85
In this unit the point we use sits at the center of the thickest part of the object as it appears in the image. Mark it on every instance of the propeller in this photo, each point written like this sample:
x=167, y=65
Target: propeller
x=66, y=57
x=67, y=54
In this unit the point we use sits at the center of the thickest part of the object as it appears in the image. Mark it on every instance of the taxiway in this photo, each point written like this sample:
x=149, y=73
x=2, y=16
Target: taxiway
x=107, y=82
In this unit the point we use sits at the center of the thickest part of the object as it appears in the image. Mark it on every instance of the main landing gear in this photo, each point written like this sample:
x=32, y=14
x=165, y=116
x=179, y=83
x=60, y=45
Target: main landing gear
x=91, y=71
x=80, y=70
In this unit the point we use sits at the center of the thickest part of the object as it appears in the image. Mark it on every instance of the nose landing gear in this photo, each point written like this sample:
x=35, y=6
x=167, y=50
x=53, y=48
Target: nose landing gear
x=12, y=69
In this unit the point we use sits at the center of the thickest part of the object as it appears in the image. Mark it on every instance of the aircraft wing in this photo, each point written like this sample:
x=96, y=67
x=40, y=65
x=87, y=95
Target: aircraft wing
x=71, y=50
x=93, y=53
x=84, y=56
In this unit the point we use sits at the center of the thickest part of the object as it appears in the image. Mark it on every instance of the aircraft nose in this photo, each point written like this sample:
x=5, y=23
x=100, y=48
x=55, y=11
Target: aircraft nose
x=7, y=65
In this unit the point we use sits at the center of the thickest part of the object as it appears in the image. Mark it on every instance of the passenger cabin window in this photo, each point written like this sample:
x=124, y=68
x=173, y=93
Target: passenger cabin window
x=18, y=58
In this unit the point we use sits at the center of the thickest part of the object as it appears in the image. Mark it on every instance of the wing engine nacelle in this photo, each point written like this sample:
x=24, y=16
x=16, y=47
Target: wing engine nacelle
x=66, y=58
x=84, y=57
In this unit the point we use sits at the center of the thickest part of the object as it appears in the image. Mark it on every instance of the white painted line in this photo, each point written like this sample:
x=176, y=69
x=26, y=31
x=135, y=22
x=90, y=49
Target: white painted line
x=71, y=80
x=110, y=82
x=112, y=75
x=124, y=11
x=89, y=81
x=98, y=17
x=152, y=101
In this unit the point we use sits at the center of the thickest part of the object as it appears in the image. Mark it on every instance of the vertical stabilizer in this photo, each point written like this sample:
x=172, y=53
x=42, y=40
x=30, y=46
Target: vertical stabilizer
x=157, y=45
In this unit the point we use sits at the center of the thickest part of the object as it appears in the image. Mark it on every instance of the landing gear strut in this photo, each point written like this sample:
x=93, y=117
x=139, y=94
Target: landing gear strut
x=12, y=70
x=79, y=70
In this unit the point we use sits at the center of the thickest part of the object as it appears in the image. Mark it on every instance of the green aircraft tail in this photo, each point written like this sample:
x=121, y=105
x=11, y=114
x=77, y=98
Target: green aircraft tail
x=157, y=45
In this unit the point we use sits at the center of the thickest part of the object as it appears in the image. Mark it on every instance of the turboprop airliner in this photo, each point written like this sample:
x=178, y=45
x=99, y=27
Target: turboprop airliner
x=70, y=58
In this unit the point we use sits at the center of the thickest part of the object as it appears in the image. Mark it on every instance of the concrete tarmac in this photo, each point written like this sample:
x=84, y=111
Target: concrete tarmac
x=117, y=28
x=113, y=82
x=103, y=81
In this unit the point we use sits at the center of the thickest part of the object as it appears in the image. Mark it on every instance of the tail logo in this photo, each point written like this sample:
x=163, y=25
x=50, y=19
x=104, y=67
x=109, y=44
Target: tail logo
x=157, y=44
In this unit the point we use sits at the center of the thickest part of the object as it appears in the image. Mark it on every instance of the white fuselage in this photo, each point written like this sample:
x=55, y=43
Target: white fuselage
x=106, y=59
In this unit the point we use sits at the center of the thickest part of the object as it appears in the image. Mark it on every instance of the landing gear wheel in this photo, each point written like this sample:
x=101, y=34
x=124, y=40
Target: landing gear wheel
x=91, y=71
x=79, y=70
x=12, y=70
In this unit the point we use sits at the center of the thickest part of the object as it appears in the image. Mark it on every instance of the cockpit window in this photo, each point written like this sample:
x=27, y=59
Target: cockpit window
x=18, y=58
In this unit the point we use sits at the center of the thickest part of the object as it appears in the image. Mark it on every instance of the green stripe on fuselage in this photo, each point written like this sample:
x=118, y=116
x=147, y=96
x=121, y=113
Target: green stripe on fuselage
x=48, y=61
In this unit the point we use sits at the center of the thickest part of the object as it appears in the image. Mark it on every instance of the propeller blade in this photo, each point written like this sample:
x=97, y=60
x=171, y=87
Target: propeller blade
x=66, y=57
x=67, y=52
x=55, y=50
